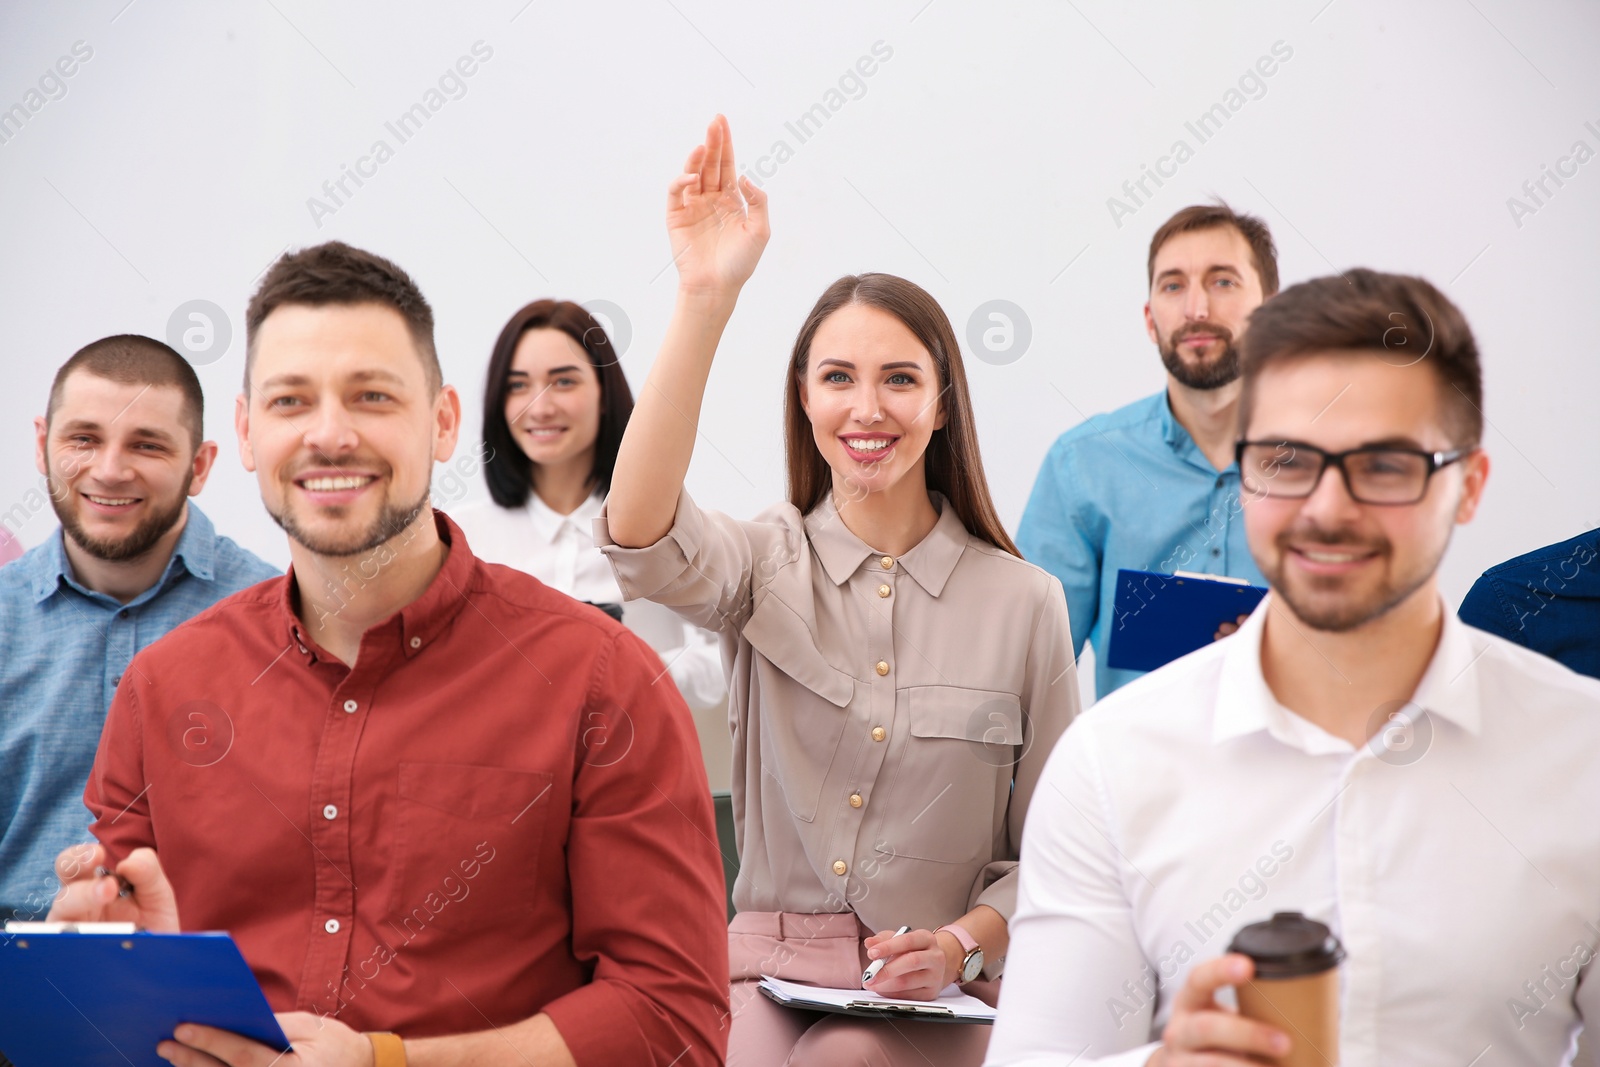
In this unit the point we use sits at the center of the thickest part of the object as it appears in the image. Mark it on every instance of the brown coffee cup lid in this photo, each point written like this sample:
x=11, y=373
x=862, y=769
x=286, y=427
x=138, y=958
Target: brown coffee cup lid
x=1288, y=945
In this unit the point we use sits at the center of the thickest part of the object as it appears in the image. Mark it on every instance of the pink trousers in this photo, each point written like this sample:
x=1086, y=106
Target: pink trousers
x=827, y=950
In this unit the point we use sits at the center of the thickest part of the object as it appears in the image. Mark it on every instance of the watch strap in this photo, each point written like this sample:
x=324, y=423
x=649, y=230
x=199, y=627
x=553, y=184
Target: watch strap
x=959, y=932
x=971, y=952
x=387, y=1050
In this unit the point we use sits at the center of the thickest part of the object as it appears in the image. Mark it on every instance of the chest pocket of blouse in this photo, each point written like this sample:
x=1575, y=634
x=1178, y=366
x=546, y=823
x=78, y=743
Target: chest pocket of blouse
x=469, y=845
x=952, y=774
x=802, y=705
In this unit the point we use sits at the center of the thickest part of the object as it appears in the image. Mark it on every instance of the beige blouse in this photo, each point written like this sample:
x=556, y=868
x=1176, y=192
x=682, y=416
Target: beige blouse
x=890, y=716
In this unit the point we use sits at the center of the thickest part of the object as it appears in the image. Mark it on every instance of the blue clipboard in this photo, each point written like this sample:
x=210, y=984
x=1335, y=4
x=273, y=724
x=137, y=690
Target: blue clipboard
x=1159, y=617
x=108, y=998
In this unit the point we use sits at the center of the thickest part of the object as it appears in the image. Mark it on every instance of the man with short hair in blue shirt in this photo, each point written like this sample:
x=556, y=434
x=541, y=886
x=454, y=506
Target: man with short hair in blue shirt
x=1153, y=485
x=1547, y=600
x=121, y=451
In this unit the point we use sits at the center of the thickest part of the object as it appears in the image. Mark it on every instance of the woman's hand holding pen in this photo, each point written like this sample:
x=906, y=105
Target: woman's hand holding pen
x=717, y=235
x=920, y=963
x=138, y=892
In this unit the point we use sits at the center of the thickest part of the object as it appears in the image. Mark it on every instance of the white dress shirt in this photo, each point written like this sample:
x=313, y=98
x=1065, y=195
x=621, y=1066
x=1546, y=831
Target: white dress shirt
x=559, y=550
x=1456, y=855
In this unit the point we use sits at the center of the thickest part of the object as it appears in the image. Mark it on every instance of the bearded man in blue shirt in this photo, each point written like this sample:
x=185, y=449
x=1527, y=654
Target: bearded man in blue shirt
x=121, y=450
x=1153, y=485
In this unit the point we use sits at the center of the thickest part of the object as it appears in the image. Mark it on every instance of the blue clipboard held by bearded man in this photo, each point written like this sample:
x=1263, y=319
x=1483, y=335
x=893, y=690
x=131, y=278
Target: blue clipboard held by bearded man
x=1160, y=617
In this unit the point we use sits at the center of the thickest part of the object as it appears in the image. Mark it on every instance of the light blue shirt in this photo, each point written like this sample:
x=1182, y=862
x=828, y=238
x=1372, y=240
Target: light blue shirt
x=1130, y=489
x=63, y=649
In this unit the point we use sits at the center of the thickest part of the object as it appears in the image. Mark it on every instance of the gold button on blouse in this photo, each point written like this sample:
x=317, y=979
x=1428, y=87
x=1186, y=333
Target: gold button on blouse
x=879, y=733
x=886, y=562
x=855, y=800
x=882, y=668
x=883, y=590
x=839, y=866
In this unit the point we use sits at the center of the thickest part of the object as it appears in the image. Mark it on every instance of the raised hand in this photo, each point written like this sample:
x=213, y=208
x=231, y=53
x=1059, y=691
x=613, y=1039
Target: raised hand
x=717, y=234
x=717, y=237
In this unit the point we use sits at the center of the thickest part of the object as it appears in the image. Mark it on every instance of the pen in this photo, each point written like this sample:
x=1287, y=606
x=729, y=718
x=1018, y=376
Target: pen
x=877, y=965
x=124, y=887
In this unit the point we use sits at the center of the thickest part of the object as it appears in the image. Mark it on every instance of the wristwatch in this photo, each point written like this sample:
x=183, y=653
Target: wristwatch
x=387, y=1050
x=972, y=961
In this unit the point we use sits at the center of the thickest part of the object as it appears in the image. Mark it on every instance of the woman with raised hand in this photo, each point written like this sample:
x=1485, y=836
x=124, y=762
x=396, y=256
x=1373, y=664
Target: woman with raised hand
x=555, y=406
x=898, y=673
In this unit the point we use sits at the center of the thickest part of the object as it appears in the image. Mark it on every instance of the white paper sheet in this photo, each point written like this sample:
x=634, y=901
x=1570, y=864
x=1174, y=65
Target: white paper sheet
x=964, y=1006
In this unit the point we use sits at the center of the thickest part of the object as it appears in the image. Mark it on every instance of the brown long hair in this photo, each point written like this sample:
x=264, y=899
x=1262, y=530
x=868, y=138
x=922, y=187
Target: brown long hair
x=954, y=467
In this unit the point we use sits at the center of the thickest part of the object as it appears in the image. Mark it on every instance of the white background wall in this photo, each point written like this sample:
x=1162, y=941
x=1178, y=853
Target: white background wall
x=977, y=159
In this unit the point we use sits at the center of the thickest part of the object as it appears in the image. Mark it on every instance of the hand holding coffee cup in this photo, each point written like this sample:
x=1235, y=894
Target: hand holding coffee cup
x=1201, y=1031
x=1295, y=987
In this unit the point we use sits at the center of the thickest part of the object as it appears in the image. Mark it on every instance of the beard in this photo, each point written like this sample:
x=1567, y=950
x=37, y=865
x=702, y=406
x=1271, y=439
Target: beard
x=1343, y=611
x=1208, y=374
x=392, y=519
x=141, y=539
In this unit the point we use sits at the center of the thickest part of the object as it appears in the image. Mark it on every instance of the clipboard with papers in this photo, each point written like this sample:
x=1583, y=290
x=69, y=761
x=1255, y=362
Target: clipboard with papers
x=951, y=1006
x=101, y=993
x=1160, y=617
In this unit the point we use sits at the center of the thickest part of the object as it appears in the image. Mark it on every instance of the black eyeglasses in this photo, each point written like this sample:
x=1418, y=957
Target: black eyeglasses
x=1373, y=474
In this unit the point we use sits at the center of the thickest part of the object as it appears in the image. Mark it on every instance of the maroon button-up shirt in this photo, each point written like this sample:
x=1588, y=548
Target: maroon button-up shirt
x=500, y=810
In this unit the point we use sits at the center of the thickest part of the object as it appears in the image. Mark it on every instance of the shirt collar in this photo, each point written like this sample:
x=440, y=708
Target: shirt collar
x=1172, y=431
x=417, y=624
x=1245, y=704
x=195, y=552
x=548, y=522
x=1451, y=686
x=197, y=545
x=929, y=563
x=49, y=568
x=1179, y=439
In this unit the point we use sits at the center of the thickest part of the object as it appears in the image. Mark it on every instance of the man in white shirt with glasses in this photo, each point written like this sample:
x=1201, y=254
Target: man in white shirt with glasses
x=1354, y=752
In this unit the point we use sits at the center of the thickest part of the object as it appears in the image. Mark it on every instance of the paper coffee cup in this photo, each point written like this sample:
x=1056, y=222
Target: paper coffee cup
x=1296, y=985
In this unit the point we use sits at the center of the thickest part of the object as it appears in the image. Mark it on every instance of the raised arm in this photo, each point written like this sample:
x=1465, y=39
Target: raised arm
x=717, y=237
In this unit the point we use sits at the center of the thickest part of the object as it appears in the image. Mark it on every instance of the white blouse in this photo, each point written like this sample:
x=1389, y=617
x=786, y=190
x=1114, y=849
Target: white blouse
x=559, y=550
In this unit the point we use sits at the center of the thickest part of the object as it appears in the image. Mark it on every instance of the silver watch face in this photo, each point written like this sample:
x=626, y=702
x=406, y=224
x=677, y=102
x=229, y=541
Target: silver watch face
x=972, y=966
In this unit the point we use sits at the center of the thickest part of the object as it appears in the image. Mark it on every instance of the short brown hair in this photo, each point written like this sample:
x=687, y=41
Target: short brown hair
x=954, y=466
x=1402, y=319
x=133, y=359
x=508, y=468
x=336, y=273
x=1263, y=253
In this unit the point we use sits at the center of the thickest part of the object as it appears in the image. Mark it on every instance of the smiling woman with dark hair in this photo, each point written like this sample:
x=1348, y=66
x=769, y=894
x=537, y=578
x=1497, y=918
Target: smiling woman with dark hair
x=517, y=459
x=555, y=405
x=898, y=673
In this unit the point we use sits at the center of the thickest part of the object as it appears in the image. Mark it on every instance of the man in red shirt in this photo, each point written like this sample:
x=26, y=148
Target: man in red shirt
x=428, y=795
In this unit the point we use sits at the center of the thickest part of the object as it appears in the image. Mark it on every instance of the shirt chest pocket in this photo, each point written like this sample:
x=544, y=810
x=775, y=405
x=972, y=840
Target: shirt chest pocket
x=469, y=841
x=952, y=781
x=803, y=705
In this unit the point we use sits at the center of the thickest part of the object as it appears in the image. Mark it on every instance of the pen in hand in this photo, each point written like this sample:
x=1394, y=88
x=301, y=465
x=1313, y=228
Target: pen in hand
x=877, y=965
x=124, y=887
